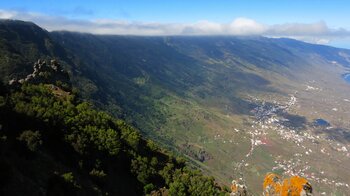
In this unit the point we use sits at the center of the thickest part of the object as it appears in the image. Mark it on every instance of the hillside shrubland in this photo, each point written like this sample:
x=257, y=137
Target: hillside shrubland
x=52, y=143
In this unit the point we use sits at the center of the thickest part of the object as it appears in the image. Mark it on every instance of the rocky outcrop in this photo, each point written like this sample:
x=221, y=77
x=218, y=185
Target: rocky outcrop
x=47, y=73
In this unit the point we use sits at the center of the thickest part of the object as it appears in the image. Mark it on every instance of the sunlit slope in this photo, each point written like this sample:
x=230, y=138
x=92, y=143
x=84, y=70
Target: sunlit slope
x=206, y=96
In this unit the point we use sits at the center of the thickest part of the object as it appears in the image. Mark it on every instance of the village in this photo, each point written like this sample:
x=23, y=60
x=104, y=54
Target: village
x=270, y=121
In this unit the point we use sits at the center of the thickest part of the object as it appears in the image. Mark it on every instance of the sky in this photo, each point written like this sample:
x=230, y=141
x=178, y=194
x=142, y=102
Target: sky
x=315, y=21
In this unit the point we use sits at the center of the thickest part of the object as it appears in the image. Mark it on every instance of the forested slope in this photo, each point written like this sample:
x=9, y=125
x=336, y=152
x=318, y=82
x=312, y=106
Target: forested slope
x=52, y=143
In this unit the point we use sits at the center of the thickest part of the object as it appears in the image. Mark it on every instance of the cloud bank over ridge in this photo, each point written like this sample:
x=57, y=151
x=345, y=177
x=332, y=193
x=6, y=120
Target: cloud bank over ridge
x=317, y=32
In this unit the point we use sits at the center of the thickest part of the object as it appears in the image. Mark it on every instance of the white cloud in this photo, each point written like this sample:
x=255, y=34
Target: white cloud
x=318, y=28
x=7, y=14
x=202, y=28
x=322, y=41
x=317, y=32
x=245, y=26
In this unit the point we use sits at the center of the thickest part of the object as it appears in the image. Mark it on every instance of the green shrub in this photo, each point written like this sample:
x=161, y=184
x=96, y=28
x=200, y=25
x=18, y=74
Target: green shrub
x=32, y=139
x=68, y=177
x=148, y=188
x=97, y=173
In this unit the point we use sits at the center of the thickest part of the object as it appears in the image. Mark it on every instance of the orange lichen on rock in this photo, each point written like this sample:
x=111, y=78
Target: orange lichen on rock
x=272, y=185
x=293, y=186
x=234, y=187
x=238, y=189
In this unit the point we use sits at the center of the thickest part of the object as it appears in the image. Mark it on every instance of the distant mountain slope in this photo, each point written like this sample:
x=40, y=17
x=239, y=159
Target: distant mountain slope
x=138, y=71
